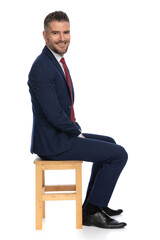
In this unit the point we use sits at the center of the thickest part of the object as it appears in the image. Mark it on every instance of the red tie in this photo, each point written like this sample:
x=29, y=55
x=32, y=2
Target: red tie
x=70, y=87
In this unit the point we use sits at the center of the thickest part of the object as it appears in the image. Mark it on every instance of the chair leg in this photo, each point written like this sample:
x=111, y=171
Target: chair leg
x=38, y=197
x=79, y=196
x=43, y=202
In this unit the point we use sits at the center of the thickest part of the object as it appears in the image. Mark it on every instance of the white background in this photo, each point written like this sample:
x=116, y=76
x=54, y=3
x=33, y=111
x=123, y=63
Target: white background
x=114, y=60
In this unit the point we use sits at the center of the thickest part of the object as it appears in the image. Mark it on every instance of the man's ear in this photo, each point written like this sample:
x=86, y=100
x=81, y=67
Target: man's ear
x=45, y=36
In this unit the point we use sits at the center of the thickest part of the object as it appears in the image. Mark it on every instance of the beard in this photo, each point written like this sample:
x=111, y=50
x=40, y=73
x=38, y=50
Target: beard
x=56, y=50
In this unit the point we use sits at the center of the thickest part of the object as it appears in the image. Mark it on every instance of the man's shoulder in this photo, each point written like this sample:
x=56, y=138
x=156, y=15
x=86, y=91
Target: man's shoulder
x=42, y=58
x=43, y=62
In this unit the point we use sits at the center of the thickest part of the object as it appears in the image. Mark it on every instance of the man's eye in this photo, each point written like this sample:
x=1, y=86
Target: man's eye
x=54, y=33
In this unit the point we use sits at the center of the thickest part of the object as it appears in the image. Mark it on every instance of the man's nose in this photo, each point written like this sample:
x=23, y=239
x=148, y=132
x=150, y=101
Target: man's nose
x=61, y=37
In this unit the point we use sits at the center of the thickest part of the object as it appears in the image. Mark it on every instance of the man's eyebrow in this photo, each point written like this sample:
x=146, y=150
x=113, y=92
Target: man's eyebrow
x=59, y=31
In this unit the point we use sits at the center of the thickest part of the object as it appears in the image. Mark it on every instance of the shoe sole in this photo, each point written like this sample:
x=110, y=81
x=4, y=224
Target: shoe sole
x=90, y=224
x=108, y=227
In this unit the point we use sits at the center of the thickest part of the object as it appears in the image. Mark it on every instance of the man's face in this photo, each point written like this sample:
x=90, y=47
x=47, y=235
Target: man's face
x=57, y=36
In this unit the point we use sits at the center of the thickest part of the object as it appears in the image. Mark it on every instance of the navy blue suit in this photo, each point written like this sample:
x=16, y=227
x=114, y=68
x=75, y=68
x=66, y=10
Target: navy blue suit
x=53, y=131
x=55, y=136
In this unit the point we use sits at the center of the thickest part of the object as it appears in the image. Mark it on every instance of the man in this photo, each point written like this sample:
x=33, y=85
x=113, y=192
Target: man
x=57, y=136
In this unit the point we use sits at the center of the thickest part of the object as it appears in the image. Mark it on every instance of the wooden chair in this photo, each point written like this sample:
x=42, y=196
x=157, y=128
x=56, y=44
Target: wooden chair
x=41, y=188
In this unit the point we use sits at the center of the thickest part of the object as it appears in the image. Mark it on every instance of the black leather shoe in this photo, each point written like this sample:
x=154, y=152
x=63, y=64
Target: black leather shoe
x=112, y=212
x=102, y=220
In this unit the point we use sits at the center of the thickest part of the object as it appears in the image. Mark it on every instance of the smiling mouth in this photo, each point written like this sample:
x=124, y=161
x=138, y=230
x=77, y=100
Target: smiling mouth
x=62, y=44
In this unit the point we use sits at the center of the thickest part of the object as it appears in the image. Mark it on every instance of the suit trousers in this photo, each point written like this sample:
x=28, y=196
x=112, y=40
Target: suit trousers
x=108, y=160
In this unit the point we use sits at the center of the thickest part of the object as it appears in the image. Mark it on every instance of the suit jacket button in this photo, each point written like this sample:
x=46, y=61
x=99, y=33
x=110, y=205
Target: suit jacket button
x=70, y=107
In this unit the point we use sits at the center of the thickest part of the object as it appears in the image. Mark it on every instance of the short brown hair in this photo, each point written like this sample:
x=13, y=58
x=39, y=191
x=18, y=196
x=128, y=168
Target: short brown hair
x=55, y=16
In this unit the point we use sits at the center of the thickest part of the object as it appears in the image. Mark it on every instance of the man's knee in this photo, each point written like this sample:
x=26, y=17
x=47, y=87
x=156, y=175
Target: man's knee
x=124, y=155
x=120, y=156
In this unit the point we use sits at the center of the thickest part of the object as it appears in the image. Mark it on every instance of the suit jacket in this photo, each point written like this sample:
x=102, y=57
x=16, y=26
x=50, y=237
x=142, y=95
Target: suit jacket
x=53, y=132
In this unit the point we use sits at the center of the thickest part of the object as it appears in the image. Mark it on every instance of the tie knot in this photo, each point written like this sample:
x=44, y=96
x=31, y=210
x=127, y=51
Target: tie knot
x=62, y=61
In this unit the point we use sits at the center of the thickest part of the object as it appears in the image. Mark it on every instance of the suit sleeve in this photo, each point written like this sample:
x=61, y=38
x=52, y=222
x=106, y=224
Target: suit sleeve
x=46, y=95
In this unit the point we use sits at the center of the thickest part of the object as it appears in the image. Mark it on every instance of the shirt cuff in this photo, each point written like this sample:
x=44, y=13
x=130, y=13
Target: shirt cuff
x=80, y=135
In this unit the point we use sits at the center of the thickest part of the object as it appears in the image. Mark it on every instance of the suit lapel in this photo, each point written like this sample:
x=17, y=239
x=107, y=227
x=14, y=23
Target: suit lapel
x=54, y=60
x=57, y=65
